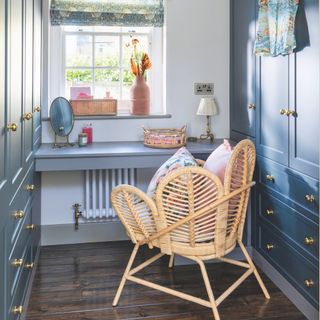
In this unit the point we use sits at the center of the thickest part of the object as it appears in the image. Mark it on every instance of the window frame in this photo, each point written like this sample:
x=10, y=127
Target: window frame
x=121, y=34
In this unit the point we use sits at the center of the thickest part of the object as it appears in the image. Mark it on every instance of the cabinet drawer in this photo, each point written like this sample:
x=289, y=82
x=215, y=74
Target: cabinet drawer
x=19, y=206
x=298, y=188
x=303, y=231
x=16, y=310
x=299, y=271
x=18, y=259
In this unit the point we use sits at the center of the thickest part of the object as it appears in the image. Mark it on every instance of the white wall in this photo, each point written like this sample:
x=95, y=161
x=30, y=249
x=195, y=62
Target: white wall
x=197, y=50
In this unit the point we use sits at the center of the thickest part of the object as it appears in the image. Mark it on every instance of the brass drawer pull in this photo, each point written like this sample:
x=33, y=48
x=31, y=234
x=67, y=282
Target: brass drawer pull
x=30, y=187
x=269, y=212
x=252, y=106
x=310, y=198
x=17, y=263
x=270, y=246
x=17, y=310
x=270, y=177
x=12, y=127
x=309, y=283
x=18, y=214
x=29, y=265
x=37, y=109
x=30, y=227
x=309, y=241
x=27, y=116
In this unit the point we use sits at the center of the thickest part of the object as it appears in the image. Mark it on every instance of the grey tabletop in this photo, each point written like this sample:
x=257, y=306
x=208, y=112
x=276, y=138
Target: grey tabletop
x=111, y=149
x=111, y=155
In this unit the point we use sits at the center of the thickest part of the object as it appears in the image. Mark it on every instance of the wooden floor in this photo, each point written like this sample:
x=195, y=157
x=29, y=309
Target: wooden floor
x=80, y=281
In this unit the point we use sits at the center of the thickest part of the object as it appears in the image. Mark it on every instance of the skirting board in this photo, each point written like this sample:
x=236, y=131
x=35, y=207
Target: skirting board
x=297, y=299
x=88, y=232
x=64, y=234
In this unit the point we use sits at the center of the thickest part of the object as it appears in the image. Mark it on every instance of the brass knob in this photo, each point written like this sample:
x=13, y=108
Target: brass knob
x=29, y=265
x=17, y=309
x=270, y=246
x=19, y=214
x=270, y=177
x=30, y=187
x=309, y=283
x=27, y=116
x=30, y=227
x=310, y=198
x=17, y=263
x=309, y=241
x=291, y=113
x=252, y=106
x=269, y=212
x=37, y=109
x=284, y=112
x=12, y=127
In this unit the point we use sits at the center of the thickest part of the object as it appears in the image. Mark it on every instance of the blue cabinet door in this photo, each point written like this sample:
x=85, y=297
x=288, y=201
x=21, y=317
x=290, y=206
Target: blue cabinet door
x=272, y=139
x=27, y=84
x=242, y=81
x=4, y=160
x=37, y=60
x=304, y=99
x=15, y=89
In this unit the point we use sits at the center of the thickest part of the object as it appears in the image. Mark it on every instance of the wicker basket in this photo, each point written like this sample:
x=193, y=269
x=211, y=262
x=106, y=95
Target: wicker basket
x=94, y=107
x=165, y=138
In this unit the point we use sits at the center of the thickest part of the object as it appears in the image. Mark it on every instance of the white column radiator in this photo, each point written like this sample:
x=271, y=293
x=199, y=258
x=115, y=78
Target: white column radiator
x=98, y=187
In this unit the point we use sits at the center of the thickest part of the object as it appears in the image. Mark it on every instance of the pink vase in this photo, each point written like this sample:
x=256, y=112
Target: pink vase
x=140, y=97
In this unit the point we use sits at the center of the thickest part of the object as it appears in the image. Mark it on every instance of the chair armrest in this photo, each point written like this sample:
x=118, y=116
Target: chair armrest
x=136, y=210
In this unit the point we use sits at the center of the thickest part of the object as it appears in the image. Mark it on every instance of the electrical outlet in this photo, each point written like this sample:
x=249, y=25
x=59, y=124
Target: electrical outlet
x=203, y=89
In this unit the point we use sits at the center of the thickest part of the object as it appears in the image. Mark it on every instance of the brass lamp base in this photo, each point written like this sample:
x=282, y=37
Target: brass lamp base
x=205, y=136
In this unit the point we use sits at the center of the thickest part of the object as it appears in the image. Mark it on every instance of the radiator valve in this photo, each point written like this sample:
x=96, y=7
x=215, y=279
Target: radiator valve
x=77, y=215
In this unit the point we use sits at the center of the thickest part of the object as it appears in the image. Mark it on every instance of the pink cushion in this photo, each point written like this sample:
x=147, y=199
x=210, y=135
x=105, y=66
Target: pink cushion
x=218, y=160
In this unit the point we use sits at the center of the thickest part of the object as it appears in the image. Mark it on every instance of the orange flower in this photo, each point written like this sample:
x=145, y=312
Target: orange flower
x=134, y=67
x=139, y=60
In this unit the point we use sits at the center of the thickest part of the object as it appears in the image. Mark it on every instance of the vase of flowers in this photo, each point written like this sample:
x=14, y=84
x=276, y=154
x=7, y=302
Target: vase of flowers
x=140, y=91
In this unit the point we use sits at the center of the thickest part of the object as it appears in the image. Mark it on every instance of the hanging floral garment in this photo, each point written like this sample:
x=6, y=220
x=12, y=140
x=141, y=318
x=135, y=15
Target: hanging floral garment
x=276, y=25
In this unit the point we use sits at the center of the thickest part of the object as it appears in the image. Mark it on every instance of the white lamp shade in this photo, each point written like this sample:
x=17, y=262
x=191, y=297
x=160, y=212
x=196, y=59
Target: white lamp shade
x=207, y=107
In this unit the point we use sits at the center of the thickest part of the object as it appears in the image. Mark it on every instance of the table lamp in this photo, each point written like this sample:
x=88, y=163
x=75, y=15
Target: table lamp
x=208, y=108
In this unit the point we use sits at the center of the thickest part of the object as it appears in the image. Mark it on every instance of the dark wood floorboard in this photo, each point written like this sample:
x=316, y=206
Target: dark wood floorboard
x=79, y=282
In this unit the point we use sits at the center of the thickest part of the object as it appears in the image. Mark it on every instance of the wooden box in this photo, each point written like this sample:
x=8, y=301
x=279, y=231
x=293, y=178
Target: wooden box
x=94, y=107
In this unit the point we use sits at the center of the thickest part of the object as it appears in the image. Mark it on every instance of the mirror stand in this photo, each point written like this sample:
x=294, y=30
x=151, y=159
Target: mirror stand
x=57, y=144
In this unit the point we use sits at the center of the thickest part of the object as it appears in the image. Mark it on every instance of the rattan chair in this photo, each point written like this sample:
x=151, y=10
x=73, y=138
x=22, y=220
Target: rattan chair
x=194, y=216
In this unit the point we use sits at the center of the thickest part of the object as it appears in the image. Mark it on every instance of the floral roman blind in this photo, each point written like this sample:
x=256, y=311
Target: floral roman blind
x=137, y=13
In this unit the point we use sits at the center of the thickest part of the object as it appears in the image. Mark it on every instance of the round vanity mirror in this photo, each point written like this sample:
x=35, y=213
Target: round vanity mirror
x=61, y=117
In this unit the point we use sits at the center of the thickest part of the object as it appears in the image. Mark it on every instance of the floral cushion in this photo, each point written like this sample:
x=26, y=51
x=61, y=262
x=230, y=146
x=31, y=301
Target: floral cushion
x=182, y=158
x=218, y=160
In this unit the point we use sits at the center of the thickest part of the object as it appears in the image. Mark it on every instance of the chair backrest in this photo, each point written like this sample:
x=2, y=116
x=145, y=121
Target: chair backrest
x=182, y=193
x=190, y=190
x=239, y=172
x=135, y=210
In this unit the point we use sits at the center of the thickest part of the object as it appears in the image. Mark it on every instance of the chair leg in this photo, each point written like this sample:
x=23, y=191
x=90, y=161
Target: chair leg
x=171, y=261
x=209, y=289
x=124, y=277
x=255, y=271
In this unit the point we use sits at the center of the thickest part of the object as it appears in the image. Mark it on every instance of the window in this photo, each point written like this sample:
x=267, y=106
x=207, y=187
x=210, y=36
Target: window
x=98, y=60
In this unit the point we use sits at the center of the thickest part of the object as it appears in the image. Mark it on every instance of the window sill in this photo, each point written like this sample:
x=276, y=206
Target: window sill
x=119, y=117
